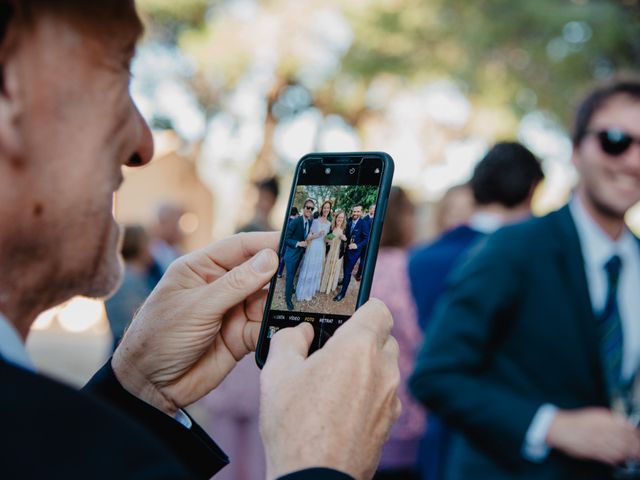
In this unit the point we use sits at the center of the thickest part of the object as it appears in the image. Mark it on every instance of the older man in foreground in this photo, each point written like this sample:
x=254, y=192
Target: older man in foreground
x=67, y=126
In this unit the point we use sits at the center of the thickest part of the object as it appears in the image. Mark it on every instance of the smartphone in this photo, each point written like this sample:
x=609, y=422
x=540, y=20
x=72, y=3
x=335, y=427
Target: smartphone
x=329, y=243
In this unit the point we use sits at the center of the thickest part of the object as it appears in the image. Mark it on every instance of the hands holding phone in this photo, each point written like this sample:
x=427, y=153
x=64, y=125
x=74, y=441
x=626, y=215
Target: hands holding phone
x=205, y=315
x=343, y=398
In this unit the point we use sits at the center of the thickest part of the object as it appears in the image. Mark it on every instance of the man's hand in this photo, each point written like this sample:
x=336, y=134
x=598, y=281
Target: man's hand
x=202, y=318
x=302, y=244
x=353, y=246
x=335, y=408
x=594, y=434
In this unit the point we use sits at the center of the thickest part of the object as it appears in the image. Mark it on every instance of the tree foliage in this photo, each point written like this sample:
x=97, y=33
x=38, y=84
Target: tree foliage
x=341, y=197
x=528, y=54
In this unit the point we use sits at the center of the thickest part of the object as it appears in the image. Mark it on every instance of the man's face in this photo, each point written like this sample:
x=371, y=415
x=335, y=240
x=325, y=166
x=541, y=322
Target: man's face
x=609, y=184
x=78, y=126
x=308, y=209
x=356, y=213
x=372, y=211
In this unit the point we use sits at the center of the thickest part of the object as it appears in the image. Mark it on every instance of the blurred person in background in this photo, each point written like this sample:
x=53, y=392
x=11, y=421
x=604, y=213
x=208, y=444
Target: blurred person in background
x=536, y=335
x=166, y=235
x=369, y=219
x=268, y=191
x=67, y=127
x=502, y=185
x=233, y=409
x=137, y=282
x=455, y=208
x=391, y=285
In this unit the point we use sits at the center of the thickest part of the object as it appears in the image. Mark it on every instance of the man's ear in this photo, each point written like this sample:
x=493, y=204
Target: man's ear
x=10, y=107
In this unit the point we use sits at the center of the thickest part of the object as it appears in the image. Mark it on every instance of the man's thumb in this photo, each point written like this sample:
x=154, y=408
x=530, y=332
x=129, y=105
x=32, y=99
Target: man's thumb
x=290, y=344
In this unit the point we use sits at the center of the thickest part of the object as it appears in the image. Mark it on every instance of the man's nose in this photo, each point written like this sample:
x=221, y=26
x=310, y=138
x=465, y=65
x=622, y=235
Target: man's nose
x=144, y=150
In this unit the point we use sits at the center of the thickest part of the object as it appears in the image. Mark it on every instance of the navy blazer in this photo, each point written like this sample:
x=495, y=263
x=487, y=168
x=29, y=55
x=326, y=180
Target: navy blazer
x=359, y=234
x=295, y=232
x=430, y=265
x=514, y=330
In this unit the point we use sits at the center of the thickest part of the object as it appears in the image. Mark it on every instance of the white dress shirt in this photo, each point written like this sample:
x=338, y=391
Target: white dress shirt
x=597, y=248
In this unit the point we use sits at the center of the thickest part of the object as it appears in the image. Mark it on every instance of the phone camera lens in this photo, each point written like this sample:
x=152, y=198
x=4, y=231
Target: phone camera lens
x=352, y=171
x=327, y=171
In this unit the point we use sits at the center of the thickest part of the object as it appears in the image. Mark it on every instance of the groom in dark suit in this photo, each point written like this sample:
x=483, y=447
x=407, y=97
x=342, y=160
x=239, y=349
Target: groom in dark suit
x=357, y=233
x=296, y=243
x=537, y=333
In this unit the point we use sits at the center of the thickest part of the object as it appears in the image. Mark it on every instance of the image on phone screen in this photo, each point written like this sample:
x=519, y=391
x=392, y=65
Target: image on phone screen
x=328, y=247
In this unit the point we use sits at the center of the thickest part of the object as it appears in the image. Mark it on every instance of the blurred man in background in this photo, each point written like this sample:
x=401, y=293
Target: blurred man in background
x=536, y=335
x=268, y=191
x=166, y=235
x=67, y=126
x=137, y=281
x=502, y=184
x=455, y=208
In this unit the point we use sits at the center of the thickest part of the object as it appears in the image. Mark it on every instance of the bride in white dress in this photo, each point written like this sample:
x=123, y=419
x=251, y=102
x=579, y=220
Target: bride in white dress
x=313, y=260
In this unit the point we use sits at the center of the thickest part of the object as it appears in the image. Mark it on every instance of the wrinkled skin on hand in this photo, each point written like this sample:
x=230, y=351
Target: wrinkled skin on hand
x=202, y=318
x=334, y=408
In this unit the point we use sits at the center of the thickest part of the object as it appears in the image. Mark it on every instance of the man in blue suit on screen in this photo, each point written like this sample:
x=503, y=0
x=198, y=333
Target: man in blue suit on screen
x=357, y=233
x=296, y=243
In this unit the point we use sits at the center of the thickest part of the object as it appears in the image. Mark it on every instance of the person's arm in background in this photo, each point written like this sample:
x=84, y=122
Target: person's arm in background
x=448, y=375
x=449, y=381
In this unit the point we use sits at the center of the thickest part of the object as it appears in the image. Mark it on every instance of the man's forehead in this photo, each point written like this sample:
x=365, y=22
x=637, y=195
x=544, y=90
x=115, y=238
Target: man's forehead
x=113, y=24
x=620, y=109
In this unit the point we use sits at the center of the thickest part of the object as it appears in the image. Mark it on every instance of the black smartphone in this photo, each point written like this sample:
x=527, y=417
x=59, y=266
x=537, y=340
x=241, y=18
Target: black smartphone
x=329, y=243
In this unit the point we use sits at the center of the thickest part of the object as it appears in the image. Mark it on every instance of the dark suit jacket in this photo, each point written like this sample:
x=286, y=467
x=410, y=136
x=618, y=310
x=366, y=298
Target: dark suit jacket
x=514, y=330
x=430, y=265
x=293, y=235
x=359, y=234
x=101, y=432
x=429, y=268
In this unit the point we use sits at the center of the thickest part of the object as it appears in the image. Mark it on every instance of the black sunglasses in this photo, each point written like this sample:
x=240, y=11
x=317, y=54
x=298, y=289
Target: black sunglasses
x=309, y=207
x=615, y=142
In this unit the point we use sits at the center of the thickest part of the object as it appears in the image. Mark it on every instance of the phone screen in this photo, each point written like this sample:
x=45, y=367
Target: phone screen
x=328, y=246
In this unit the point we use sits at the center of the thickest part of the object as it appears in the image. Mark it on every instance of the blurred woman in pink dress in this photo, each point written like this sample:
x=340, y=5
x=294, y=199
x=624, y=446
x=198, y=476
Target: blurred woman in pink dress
x=391, y=285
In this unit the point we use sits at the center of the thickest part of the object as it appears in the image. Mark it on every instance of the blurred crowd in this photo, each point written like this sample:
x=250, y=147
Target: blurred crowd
x=517, y=334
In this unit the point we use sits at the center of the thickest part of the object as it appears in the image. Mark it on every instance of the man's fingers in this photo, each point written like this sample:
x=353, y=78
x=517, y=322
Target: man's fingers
x=290, y=344
x=373, y=315
x=239, y=248
x=241, y=282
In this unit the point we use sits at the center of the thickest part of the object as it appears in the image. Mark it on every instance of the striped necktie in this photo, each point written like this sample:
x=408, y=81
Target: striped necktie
x=610, y=327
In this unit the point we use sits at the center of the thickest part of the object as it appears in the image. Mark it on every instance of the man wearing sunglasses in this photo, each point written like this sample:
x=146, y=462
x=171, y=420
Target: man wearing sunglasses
x=538, y=332
x=295, y=240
